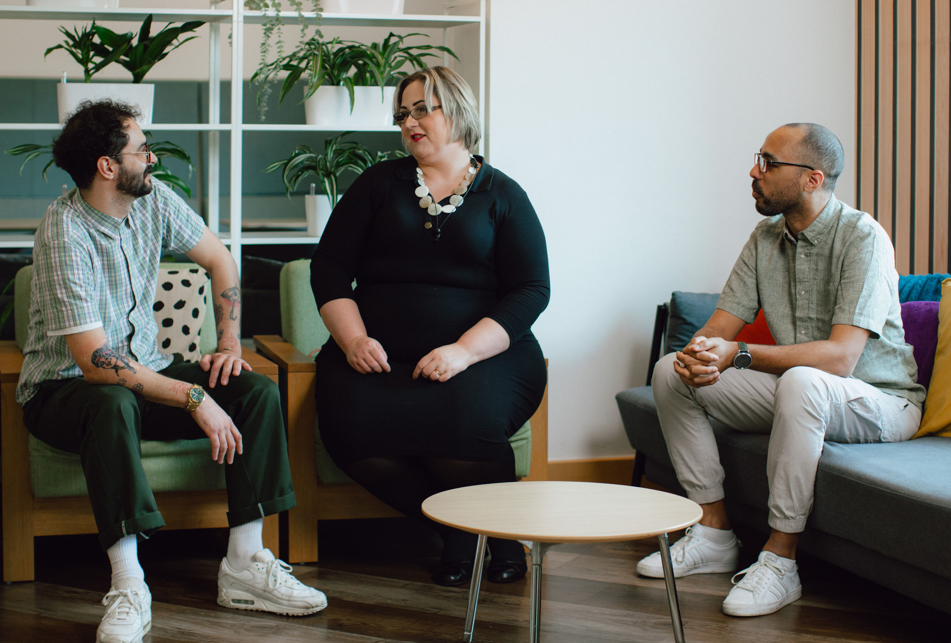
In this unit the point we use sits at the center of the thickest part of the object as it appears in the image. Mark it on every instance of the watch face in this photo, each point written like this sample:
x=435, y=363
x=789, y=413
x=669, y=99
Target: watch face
x=196, y=395
x=742, y=360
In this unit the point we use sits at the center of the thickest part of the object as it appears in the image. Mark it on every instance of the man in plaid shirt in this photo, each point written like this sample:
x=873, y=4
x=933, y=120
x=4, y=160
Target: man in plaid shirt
x=94, y=382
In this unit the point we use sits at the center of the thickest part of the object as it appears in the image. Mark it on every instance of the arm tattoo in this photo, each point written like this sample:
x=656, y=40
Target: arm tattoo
x=138, y=388
x=219, y=313
x=179, y=387
x=230, y=341
x=233, y=295
x=106, y=358
x=121, y=382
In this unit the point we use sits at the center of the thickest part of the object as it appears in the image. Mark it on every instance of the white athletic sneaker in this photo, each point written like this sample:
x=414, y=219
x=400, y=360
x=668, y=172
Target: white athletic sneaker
x=693, y=554
x=769, y=584
x=267, y=586
x=128, y=612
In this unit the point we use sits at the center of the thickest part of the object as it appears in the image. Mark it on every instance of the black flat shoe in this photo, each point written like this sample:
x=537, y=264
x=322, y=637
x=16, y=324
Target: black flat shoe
x=455, y=574
x=506, y=571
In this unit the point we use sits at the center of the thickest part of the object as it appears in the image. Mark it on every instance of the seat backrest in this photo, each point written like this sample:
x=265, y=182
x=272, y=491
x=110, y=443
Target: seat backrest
x=23, y=286
x=301, y=326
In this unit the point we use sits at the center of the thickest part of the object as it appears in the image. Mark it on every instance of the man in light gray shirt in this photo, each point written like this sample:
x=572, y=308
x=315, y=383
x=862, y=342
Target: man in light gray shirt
x=824, y=276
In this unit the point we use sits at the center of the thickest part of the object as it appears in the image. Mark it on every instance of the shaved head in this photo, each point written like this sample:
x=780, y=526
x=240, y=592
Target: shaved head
x=821, y=149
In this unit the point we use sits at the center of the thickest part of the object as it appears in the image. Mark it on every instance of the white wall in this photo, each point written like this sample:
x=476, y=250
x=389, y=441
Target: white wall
x=632, y=126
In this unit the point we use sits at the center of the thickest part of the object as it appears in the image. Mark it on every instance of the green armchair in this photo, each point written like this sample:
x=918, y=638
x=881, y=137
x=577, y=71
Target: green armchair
x=44, y=489
x=323, y=491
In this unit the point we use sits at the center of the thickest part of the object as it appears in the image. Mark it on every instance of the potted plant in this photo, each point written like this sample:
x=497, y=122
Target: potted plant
x=338, y=157
x=161, y=149
x=96, y=47
x=342, y=76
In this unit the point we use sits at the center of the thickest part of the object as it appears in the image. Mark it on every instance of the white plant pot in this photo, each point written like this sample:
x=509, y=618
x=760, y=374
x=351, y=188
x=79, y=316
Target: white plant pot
x=70, y=95
x=392, y=7
x=94, y=4
x=318, y=212
x=330, y=107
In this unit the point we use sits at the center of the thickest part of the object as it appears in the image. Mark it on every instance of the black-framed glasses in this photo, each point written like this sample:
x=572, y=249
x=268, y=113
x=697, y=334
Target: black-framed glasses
x=764, y=163
x=147, y=151
x=419, y=112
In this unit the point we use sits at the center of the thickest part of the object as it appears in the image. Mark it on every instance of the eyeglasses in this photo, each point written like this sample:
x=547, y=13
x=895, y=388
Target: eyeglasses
x=419, y=112
x=147, y=151
x=764, y=163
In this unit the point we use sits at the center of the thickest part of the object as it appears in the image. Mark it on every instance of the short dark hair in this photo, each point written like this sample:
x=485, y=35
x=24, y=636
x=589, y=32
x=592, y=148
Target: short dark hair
x=821, y=149
x=94, y=130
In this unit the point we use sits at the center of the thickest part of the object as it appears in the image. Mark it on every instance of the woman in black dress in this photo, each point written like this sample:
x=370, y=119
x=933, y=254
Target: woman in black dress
x=432, y=364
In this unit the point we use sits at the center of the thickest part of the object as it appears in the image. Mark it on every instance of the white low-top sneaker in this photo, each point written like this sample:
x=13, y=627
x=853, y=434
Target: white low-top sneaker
x=770, y=584
x=128, y=612
x=694, y=554
x=267, y=586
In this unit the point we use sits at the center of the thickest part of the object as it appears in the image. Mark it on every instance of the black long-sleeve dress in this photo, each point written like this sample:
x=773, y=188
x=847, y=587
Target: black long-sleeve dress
x=416, y=294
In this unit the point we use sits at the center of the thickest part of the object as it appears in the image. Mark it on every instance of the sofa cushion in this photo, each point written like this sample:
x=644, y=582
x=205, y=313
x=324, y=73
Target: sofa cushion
x=920, y=287
x=892, y=498
x=179, y=310
x=936, y=419
x=757, y=333
x=688, y=312
x=920, y=320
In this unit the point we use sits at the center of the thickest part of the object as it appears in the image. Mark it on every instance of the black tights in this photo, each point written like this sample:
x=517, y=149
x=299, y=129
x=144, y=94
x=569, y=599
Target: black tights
x=405, y=482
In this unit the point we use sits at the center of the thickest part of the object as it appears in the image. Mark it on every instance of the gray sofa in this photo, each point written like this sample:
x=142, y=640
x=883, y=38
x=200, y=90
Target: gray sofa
x=882, y=511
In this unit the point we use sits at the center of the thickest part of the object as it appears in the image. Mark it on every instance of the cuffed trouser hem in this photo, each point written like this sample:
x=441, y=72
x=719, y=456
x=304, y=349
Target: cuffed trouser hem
x=261, y=510
x=706, y=496
x=144, y=525
x=788, y=525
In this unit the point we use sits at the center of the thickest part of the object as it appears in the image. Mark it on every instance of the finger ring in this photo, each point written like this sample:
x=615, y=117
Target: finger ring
x=437, y=373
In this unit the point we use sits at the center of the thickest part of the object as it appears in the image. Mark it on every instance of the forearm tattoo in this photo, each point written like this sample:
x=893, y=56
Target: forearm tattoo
x=233, y=295
x=219, y=314
x=138, y=388
x=106, y=358
x=231, y=341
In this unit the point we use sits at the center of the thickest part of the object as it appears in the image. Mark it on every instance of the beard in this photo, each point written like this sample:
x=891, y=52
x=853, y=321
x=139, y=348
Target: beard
x=132, y=184
x=786, y=199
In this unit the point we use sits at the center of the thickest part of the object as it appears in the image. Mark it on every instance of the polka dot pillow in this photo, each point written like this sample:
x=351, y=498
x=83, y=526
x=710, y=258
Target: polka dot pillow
x=179, y=310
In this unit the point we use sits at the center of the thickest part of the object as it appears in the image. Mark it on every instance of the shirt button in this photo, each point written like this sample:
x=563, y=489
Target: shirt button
x=802, y=292
x=803, y=255
x=802, y=332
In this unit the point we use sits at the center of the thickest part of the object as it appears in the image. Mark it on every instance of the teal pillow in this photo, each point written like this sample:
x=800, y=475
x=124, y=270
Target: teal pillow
x=687, y=313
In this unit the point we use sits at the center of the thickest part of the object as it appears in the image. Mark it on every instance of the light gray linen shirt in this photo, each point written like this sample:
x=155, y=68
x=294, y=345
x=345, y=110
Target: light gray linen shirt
x=92, y=270
x=840, y=270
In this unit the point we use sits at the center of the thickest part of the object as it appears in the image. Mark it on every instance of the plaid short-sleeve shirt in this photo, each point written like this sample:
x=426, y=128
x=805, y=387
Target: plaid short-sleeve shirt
x=92, y=270
x=839, y=270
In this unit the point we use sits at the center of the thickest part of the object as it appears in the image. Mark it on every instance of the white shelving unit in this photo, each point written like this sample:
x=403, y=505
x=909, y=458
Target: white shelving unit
x=238, y=18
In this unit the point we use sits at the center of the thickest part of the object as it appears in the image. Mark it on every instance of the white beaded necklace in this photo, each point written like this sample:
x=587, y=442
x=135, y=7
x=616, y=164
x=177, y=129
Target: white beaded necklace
x=455, y=201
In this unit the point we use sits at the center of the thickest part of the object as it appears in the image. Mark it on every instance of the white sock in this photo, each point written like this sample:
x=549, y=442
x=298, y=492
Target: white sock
x=245, y=541
x=716, y=536
x=124, y=556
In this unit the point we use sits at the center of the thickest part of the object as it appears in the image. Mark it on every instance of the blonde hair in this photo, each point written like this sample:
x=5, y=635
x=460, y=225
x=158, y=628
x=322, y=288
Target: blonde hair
x=455, y=96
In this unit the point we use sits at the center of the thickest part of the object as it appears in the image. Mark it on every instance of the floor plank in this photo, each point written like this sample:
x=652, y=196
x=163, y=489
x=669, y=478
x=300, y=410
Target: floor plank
x=376, y=574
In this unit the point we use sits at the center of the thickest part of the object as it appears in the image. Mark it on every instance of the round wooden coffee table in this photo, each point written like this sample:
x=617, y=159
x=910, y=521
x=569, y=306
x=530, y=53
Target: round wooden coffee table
x=548, y=513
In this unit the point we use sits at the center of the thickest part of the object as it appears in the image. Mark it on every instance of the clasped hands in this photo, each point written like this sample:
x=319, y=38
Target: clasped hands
x=703, y=359
x=366, y=355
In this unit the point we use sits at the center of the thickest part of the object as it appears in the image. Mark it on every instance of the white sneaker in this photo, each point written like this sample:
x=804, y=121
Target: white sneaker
x=267, y=586
x=694, y=554
x=128, y=612
x=769, y=584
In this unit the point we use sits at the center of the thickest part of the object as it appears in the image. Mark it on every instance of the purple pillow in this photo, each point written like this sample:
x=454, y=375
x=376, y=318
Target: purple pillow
x=920, y=319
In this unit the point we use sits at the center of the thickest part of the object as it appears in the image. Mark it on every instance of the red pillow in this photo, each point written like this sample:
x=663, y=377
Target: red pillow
x=757, y=332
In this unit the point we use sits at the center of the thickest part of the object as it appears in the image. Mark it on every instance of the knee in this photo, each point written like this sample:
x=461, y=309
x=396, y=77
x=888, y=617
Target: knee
x=113, y=411
x=800, y=384
x=665, y=378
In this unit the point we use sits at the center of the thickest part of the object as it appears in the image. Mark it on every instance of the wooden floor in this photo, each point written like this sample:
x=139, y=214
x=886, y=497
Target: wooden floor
x=376, y=575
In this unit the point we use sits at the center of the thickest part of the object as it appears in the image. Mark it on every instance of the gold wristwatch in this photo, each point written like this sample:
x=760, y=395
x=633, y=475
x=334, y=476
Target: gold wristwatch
x=195, y=396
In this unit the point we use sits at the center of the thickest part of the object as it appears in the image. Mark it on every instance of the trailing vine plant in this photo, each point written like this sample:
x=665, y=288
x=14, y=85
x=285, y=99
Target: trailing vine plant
x=273, y=36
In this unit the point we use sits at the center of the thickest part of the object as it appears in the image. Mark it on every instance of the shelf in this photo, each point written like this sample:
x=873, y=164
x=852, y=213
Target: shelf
x=119, y=15
x=270, y=238
x=369, y=20
x=158, y=127
x=15, y=240
x=314, y=128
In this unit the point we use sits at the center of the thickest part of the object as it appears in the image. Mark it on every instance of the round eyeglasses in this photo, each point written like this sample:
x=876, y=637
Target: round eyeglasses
x=147, y=151
x=764, y=163
x=419, y=112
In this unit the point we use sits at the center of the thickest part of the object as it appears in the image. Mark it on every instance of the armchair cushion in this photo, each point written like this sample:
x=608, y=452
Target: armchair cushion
x=179, y=309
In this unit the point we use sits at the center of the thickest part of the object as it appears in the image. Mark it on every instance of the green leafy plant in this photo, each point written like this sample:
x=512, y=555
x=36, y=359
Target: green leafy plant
x=346, y=63
x=95, y=47
x=161, y=149
x=83, y=46
x=338, y=157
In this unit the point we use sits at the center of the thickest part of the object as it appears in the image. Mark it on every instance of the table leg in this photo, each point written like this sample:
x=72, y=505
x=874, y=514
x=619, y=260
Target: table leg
x=534, y=617
x=671, y=589
x=474, y=588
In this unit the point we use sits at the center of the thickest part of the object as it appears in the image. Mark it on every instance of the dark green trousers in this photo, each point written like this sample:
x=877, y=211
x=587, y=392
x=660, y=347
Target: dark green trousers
x=103, y=424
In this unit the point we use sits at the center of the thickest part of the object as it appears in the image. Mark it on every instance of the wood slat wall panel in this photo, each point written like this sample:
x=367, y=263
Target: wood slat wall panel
x=903, y=79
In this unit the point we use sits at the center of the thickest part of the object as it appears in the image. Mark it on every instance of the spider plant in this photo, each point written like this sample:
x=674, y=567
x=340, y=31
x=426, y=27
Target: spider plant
x=83, y=46
x=161, y=149
x=382, y=63
x=338, y=157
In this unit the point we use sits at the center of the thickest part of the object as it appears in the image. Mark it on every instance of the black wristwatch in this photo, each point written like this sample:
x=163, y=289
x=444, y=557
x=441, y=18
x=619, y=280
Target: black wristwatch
x=742, y=359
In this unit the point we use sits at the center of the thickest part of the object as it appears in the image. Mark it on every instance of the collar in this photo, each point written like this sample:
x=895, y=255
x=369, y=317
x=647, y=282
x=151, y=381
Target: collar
x=110, y=226
x=406, y=170
x=818, y=228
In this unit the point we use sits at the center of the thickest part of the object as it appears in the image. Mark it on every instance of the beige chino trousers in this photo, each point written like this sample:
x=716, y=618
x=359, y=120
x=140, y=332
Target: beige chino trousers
x=800, y=410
